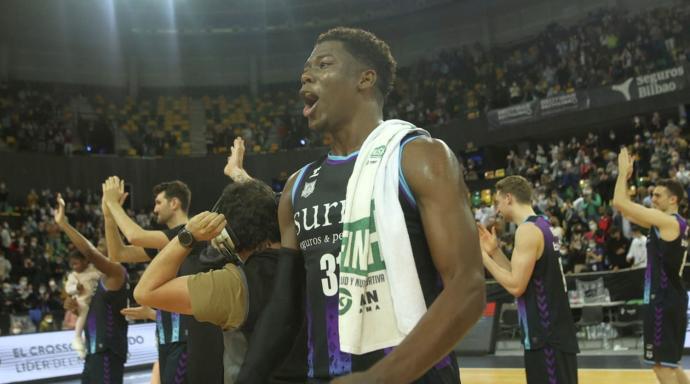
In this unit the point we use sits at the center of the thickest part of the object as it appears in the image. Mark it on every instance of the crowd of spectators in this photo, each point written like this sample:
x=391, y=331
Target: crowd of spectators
x=154, y=126
x=45, y=118
x=574, y=182
x=607, y=47
x=33, y=120
x=33, y=255
x=267, y=123
x=573, y=178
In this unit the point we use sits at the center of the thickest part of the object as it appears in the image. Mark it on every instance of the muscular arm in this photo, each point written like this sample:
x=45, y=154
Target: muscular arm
x=159, y=286
x=641, y=215
x=117, y=250
x=500, y=258
x=528, y=243
x=434, y=176
x=278, y=325
x=133, y=232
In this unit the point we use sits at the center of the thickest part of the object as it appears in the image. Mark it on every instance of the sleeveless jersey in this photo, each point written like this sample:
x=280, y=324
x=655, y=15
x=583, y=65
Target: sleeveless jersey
x=106, y=328
x=318, y=198
x=663, y=280
x=544, y=309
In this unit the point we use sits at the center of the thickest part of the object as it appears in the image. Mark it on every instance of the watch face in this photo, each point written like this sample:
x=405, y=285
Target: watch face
x=186, y=238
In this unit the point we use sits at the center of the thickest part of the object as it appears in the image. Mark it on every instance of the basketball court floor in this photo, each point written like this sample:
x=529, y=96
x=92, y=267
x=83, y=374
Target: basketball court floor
x=491, y=369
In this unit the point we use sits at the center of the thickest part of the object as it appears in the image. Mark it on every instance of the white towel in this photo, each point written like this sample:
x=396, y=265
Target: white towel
x=380, y=295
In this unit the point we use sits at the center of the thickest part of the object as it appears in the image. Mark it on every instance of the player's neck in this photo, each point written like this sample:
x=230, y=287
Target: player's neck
x=671, y=210
x=177, y=219
x=521, y=213
x=350, y=136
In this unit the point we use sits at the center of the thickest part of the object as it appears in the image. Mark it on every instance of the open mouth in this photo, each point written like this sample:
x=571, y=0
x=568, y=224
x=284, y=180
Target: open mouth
x=310, y=102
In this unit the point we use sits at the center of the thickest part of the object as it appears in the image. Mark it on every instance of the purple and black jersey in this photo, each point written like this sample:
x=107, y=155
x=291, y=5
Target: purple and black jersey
x=665, y=260
x=318, y=199
x=544, y=309
x=665, y=319
x=106, y=328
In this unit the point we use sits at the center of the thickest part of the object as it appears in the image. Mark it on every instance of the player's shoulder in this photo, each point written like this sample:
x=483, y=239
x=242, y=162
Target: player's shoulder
x=426, y=157
x=426, y=147
x=293, y=180
x=292, y=183
x=528, y=231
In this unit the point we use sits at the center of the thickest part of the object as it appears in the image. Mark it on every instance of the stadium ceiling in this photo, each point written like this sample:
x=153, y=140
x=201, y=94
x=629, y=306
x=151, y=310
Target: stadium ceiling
x=240, y=17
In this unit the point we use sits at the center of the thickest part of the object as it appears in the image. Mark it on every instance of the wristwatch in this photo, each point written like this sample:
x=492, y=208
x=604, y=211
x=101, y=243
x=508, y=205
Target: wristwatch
x=186, y=238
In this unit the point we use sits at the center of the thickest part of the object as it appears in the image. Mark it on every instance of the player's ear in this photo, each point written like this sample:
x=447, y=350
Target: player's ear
x=367, y=79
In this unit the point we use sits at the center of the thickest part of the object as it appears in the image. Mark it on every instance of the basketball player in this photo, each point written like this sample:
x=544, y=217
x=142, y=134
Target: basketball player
x=106, y=328
x=666, y=299
x=533, y=274
x=177, y=362
x=344, y=84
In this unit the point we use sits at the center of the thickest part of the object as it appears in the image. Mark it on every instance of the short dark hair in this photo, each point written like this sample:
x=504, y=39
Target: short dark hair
x=177, y=189
x=369, y=50
x=517, y=186
x=673, y=187
x=252, y=212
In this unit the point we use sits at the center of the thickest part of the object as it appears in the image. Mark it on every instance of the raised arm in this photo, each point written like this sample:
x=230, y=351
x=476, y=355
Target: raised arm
x=159, y=286
x=113, y=190
x=117, y=250
x=434, y=176
x=637, y=213
x=276, y=329
x=234, y=168
x=114, y=272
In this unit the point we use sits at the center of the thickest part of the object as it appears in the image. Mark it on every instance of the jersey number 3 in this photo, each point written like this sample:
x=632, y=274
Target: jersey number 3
x=329, y=284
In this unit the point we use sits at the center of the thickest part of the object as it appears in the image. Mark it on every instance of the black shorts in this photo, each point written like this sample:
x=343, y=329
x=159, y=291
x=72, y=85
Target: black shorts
x=665, y=324
x=103, y=367
x=172, y=360
x=549, y=365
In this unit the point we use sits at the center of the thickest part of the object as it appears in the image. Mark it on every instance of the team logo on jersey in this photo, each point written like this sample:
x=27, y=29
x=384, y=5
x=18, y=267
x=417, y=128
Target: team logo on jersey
x=308, y=189
x=344, y=301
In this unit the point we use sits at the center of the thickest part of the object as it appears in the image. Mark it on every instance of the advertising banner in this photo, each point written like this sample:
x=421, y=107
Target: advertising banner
x=46, y=355
x=635, y=88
